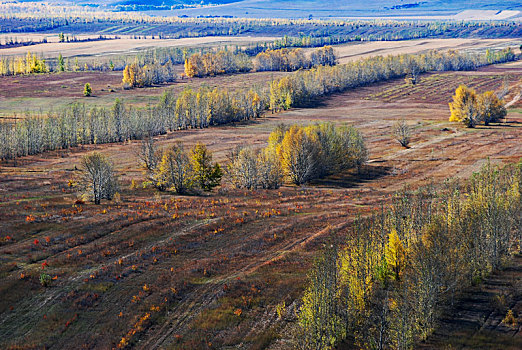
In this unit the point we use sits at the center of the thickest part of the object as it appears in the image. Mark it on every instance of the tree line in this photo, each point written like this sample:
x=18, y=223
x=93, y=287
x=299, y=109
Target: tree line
x=10, y=42
x=223, y=62
x=75, y=125
x=31, y=17
x=31, y=63
x=385, y=286
x=302, y=87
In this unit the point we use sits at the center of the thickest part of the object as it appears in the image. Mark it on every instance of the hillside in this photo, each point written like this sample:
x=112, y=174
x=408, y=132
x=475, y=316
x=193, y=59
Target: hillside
x=465, y=9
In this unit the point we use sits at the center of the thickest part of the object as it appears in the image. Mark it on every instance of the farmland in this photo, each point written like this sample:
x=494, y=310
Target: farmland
x=271, y=182
x=41, y=92
x=193, y=272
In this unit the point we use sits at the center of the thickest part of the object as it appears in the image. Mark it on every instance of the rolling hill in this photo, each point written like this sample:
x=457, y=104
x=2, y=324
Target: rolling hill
x=458, y=9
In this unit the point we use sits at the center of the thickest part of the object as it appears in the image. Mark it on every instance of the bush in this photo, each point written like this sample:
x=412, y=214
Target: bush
x=45, y=280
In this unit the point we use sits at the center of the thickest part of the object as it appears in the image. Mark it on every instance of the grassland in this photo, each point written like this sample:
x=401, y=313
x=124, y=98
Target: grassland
x=165, y=271
x=42, y=92
x=124, y=45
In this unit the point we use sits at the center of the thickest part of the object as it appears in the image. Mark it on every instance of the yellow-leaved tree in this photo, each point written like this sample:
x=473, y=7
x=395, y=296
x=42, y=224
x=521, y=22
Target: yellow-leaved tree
x=491, y=107
x=464, y=108
x=395, y=255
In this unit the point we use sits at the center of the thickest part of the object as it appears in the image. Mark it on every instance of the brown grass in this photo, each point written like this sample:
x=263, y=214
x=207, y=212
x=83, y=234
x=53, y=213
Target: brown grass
x=118, y=46
x=203, y=258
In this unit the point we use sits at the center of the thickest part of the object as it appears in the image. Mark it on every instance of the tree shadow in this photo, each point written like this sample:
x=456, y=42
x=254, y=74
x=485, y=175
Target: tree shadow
x=353, y=178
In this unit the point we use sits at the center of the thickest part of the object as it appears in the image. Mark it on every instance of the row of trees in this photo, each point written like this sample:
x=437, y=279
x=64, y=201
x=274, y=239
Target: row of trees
x=385, y=287
x=135, y=75
x=471, y=108
x=22, y=65
x=288, y=60
x=302, y=87
x=75, y=125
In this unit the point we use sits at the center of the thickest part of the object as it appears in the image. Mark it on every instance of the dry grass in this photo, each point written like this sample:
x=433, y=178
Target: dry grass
x=123, y=45
x=192, y=262
x=355, y=51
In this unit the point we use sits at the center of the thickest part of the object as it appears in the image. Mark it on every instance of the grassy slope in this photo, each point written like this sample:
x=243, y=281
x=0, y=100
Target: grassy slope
x=216, y=266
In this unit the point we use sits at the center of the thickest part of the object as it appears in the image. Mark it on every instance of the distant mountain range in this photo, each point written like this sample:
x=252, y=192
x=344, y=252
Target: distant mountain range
x=458, y=9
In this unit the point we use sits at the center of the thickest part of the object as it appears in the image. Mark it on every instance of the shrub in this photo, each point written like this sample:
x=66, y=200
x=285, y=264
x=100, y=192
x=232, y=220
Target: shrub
x=45, y=280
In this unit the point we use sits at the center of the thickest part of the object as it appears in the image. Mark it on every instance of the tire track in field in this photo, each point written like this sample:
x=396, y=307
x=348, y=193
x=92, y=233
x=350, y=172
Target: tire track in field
x=205, y=296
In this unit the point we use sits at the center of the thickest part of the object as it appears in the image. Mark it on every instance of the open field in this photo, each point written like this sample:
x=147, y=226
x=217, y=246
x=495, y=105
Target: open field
x=46, y=91
x=165, y=271
x=124, y=45
x=354, y=51
x=337, y=8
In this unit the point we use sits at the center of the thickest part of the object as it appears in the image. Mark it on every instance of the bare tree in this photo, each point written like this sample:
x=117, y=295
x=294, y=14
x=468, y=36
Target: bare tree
x=402, y=133
x=98, y=177
x=148, y=154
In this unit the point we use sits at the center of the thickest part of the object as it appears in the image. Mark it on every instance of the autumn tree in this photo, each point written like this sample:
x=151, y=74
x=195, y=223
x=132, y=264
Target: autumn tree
x=61, y=63
x=207, y=175
x=491, y=108
x=299, y=152
x=175, y=170
x=87, y=90
x=465, y=108
x=148, y=154
x=98, y=177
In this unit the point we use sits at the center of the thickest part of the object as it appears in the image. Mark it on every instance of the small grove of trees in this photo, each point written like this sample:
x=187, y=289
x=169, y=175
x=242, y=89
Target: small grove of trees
x=97, y=177
x=135, y=75
x=214, y=63
x=471, y=108
x=311, y=152
x=387, y=284
x=287, y=60
x=178, y=170
x=22, y=65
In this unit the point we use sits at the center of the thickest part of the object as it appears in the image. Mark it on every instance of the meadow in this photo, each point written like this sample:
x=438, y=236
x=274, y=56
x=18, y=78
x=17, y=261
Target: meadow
x=212, y=271
x=221, y=261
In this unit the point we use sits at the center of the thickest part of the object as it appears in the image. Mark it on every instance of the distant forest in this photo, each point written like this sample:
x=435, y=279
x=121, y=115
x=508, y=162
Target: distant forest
x=34, y=17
